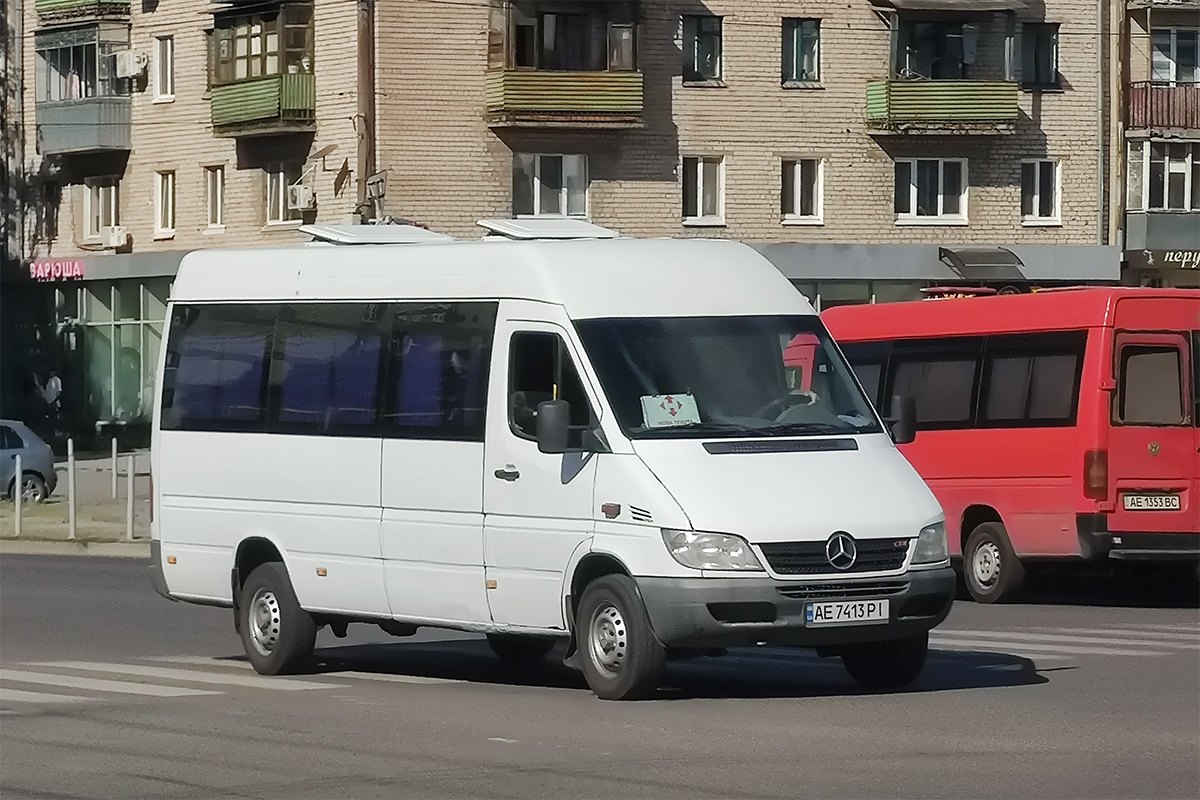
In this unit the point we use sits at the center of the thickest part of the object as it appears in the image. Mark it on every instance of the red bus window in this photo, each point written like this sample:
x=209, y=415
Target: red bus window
x=942, y=389
x=1031, y=387
x=1150, y=386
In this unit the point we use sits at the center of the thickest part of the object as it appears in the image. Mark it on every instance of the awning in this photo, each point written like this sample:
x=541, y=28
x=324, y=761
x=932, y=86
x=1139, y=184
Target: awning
x=969, y=6
x=983, y=263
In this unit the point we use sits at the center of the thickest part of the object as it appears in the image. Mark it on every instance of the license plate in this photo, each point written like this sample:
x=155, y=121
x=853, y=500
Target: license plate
x=848, y=613
x=1151, y=502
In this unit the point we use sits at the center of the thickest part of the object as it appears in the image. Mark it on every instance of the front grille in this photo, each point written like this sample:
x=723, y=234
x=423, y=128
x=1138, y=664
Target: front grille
x=844, y=591
x=808, y=558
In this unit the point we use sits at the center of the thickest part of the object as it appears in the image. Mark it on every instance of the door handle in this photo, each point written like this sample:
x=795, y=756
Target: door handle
x=509, y=473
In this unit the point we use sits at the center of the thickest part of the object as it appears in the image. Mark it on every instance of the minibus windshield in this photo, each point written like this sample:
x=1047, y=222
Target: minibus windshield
x=697, y=377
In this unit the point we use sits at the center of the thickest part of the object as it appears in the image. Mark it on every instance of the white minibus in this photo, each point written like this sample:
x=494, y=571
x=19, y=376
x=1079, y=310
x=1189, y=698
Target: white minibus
x=646, y=449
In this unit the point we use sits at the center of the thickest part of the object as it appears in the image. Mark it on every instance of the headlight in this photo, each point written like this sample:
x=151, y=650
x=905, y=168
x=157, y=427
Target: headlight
x=710, y=550
x=931, y=545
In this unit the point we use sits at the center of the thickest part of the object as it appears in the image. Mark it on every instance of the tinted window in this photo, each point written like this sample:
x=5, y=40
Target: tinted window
x=9, y=439
x=940, y=376
x=438, y=370
x=326, y=367
x=541, y=369
x=1149, y=386
x=1032, y=379
x=216, y=367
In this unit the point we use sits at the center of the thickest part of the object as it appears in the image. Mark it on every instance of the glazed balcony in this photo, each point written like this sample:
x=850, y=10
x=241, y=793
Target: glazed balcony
x=272, y=105
x=902, y=106
x=547, y=99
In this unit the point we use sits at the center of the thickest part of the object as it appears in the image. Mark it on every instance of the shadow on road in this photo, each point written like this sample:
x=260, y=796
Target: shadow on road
x=742, y=673
x=1120, y=586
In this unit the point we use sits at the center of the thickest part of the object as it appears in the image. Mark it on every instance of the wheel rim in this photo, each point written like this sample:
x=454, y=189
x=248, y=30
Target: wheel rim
x=608, y=640
x=30, y=491
x=985, y=566
x=264, y=621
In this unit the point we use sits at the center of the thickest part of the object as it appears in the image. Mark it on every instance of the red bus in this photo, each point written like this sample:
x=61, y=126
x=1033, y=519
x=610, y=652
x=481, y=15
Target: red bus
x=1063, y=424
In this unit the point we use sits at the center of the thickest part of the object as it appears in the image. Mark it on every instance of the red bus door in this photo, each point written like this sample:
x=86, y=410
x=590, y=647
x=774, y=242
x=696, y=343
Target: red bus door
x=1153, y=466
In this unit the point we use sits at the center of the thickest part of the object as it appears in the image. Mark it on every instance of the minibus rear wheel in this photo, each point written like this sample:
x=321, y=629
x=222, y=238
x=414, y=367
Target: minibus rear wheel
x=512, y=648
x=277, y=634
x=621, y=657
x=991, y=569
x=887, y=665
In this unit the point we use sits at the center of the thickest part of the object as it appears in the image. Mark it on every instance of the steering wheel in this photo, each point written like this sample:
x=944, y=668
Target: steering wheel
x=786, y=402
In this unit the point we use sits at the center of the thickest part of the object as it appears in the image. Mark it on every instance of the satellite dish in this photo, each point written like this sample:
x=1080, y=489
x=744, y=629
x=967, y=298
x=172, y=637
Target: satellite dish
x=324, y=151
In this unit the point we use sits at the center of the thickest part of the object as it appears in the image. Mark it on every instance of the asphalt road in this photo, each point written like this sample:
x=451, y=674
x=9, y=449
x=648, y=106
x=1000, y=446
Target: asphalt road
x=1086, y=689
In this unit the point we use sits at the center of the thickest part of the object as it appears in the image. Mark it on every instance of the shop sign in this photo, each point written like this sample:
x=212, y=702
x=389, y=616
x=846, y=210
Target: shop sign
x=57, y=270
x=1181, y=259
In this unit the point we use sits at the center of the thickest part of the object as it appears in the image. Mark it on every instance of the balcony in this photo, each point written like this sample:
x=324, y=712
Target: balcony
x=942, y=107
x=90, y=125
x=1162, y=230
x=277, y=104
x=545, y=99
x=1164, y=108
x=55, y=10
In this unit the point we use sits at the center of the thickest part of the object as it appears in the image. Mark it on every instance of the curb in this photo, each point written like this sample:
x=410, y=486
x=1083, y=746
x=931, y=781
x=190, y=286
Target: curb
x=78, y=548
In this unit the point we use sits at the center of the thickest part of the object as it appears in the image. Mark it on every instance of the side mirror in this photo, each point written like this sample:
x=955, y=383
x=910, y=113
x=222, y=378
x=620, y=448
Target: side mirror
x=553, y=424
x=903, y=422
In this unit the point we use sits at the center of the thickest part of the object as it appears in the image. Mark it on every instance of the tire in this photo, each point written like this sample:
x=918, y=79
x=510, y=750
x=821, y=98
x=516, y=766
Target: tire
x=277, y=634
x=887, y=665
x=991, y=569
x=34, y=487
x=514, y=648
x=621, y=657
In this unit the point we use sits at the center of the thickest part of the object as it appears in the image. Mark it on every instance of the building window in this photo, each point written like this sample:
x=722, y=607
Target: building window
x=279, y=176
x=1039, y=192
x=1163, y=176
x=704, y=190
x=931, y=189
x=803, y=187
x=801, y=50
x=1175, y=56
x=701, y=48
x=549, y=185
x=269, y=43
x=589, y=38
x=101, y=204
x=936, y=50
x=164, y=201
x=164, y=68
x=1039, y=54
x=214, y=195
x=78, y=63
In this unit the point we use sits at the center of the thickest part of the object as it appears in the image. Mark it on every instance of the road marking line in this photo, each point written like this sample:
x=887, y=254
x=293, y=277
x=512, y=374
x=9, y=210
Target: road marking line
x=1053, y=637
x=371, y=676
x=77, y=682
x=1183, y=637
x=1193, y=629
x=1031, y=653
x=19, y=696
x=1040, y=647
x=202, y=661
x=193, y=675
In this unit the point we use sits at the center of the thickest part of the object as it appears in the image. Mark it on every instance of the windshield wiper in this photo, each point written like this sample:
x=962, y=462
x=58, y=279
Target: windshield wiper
x=697, y=427
x=791, y=428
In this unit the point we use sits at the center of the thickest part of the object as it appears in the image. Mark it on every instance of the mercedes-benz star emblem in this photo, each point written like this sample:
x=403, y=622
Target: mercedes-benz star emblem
x=840, y=550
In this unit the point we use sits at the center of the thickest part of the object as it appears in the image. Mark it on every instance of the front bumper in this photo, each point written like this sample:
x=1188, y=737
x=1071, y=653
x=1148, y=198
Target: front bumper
x=741, y=612
x=1096, y=541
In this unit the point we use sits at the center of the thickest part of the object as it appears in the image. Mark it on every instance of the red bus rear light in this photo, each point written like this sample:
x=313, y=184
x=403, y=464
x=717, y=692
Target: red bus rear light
x=1095, y=474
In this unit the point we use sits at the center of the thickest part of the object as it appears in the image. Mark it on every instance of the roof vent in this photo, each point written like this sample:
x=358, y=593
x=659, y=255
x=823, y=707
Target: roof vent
x=373, y=234
x=545, y=228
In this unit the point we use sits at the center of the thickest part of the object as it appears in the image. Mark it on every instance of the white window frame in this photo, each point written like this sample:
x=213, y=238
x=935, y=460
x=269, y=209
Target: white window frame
x=701, y=221
x=1174, y=54
x=277, y=171
x=91, y=194
x=563, y=198
x=1146, y=147
x=217, y=197
x=166, y=191
x=797, y=25
x=911, y=217
x=1033, y=220
x=792, y=218
x=164, y=79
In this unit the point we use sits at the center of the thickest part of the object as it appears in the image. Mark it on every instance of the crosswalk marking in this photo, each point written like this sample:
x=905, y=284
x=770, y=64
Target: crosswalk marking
x=95, y=684
x=1032, y=653
x=963, y=643
x=341, y=674
x=19, y=696
x=193, y=676
x=1066, y=639
x=1192, y=629
x=1183, y=637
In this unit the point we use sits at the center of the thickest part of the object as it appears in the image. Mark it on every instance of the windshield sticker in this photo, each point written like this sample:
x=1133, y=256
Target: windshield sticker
x=669, y=410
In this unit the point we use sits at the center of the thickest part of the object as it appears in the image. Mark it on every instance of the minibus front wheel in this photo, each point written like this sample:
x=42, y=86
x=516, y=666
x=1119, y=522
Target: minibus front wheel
x=620, y=656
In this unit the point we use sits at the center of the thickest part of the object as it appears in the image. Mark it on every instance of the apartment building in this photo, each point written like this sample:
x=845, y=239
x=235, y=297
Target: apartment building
x=869, y=147
x=1160, y=65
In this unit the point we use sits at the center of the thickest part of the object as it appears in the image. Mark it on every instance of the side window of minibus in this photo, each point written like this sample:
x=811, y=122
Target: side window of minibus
x=941, y=376
x=539, y=369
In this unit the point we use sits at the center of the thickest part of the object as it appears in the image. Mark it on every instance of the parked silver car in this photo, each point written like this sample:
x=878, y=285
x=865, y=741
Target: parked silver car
x=37, y=462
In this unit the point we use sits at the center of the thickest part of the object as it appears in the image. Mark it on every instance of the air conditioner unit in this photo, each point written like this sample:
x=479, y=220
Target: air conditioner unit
x=300, y=198
x=131, y=63
x=113, y=236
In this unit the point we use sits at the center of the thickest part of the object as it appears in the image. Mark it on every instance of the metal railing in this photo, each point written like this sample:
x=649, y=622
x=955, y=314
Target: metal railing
x=1153, y=105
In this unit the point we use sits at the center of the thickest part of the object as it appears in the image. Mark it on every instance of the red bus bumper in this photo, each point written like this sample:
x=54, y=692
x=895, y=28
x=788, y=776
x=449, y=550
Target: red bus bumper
x=1097, y=542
